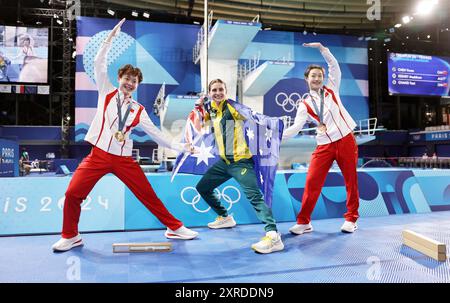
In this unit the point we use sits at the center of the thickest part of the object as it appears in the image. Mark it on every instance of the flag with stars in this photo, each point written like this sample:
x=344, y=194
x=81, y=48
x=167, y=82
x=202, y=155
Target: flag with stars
x=263, y=136
x=202, y=137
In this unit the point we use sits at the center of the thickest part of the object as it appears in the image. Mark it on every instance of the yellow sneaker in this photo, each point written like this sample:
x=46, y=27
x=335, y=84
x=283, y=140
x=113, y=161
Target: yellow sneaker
x=270, y=243
x=222, y=222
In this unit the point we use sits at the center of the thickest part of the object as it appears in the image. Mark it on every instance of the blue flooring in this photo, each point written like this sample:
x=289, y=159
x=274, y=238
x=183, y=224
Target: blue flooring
x=373, y=254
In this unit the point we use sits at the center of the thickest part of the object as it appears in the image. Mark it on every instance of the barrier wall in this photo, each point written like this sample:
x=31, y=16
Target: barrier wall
x=31, y=205
x=34, y=205
x=9, y=158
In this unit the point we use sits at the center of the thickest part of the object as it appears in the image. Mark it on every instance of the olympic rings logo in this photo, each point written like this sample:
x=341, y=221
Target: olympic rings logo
x=230, y=194
x=288, y=102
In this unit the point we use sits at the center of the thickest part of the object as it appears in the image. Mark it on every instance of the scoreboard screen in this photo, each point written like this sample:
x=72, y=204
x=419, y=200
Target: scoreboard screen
x=415, y=74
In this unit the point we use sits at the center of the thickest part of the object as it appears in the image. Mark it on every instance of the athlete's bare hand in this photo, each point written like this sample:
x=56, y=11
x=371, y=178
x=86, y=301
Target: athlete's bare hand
x=116, y=30
x=314, y=45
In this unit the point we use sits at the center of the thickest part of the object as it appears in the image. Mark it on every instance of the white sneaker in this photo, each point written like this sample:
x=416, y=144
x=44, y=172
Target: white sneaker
x=183, y=233
x=270, y=243
x=222, y=222
x=349, y=227
x=300, y=229
x=67, y=244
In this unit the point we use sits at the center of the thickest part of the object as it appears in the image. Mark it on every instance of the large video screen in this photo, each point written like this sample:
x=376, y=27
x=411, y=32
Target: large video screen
x=23, y=54
x=415, y=74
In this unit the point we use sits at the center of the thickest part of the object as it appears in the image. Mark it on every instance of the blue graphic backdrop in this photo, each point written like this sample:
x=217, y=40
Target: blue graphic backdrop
x=348, y=50
x=164, y=53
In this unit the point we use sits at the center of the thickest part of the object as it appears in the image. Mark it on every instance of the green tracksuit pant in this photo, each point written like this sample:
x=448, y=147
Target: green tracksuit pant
x=243, y=172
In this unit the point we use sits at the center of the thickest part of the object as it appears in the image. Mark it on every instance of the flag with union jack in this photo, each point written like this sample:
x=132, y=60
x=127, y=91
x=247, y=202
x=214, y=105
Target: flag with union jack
x=262, y=134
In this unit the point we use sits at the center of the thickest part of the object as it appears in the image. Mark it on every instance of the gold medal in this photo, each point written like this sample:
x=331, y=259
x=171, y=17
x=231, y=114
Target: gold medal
x=119, y=136
x=321, y=129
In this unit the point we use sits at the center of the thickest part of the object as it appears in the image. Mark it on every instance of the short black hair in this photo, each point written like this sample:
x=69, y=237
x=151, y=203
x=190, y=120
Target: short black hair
x=314, y=66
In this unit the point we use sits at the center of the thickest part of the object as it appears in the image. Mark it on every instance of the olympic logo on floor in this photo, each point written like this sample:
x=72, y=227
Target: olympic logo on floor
x=230, y=194
x=288, y=102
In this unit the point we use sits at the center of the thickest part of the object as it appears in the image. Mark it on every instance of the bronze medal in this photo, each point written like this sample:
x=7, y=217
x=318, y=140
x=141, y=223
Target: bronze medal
x=321, y=129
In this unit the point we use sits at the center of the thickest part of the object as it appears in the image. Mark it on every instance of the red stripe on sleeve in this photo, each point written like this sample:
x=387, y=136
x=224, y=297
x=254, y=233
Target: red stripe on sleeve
x=107, y=101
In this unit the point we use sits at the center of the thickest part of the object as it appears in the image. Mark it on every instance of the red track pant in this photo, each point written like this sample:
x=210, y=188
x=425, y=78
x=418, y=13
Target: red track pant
x=345, y=152
x=97, y=164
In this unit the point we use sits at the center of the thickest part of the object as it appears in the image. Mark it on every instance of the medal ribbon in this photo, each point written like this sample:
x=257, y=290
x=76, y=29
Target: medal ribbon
x=119, y=113
x=319, y=113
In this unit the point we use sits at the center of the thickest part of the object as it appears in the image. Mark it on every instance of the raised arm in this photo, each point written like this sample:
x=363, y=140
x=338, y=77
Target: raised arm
x=100, y=61
x=299, y=122
x=334, y=72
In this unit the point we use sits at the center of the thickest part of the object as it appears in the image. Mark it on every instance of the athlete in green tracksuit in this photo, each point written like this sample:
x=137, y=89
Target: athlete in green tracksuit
x=235, y=162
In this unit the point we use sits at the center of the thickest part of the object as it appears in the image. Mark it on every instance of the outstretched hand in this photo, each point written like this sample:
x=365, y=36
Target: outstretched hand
x=314, y=45
x=201, y=100
x=116, y=30
x=188, y=147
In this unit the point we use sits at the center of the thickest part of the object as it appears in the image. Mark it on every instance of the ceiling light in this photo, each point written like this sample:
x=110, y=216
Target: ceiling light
x=425, y=7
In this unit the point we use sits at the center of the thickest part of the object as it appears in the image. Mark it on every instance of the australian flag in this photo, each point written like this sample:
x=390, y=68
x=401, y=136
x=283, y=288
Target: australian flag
x=263, y=136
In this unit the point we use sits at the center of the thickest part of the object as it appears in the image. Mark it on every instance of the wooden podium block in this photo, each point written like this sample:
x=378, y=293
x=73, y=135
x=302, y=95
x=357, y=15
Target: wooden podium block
x=142, y=247
x=425, y=245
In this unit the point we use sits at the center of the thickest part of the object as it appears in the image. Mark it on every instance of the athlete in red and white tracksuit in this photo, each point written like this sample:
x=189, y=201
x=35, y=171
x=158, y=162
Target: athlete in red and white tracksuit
x=336, y=143
x=109, y=155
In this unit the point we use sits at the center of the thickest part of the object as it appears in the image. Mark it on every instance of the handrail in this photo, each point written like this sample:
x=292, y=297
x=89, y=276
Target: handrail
x=200, y=39
x=248, y=66
x=365, y=126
